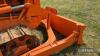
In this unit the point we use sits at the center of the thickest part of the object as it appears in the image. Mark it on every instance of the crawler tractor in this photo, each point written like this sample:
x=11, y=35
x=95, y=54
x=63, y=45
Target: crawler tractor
x=26, y=29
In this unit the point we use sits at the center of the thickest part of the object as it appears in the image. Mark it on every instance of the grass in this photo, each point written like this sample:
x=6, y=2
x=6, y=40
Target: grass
x=85, y=11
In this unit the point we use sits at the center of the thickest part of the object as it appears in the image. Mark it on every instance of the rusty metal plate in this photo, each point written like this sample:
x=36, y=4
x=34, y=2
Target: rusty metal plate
x=4, y=37
x=15, y=33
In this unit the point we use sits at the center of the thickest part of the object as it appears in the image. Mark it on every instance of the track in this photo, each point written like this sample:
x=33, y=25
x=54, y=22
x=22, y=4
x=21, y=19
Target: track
x=19, y=39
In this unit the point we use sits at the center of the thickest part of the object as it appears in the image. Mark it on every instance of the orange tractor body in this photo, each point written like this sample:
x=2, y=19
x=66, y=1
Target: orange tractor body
x=61, y=32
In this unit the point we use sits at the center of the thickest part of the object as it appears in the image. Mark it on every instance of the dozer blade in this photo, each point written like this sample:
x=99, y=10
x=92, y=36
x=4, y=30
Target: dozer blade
x=26, y=29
